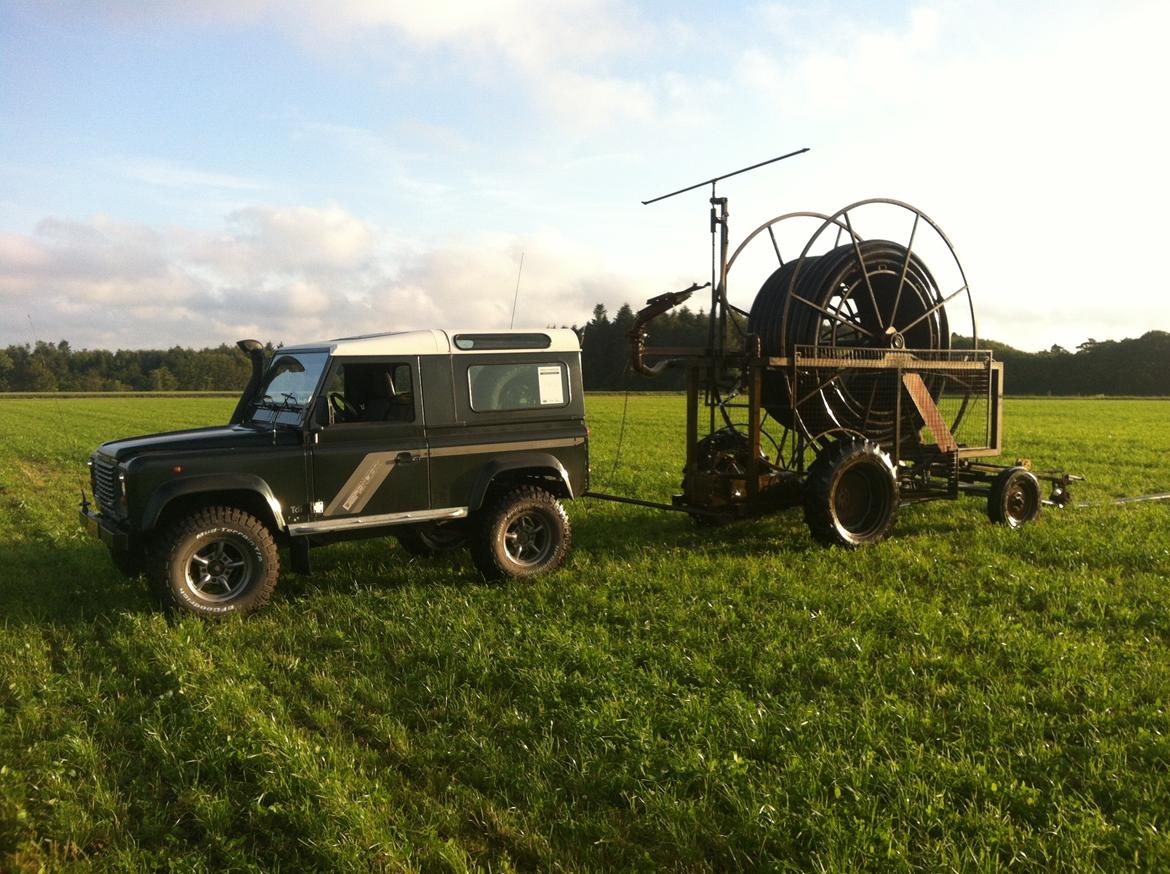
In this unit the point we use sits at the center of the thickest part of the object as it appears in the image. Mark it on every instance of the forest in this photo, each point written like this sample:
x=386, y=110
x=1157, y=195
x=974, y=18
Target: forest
x=1139, y=366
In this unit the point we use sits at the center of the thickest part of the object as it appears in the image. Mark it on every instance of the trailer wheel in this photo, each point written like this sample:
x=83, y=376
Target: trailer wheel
x=524, y=533
x=215, y=562
x=432, y=539
x=851, y=495
x=1014, y=499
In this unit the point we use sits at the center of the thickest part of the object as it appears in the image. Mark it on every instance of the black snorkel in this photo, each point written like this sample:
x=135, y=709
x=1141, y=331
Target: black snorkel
x=255, y=351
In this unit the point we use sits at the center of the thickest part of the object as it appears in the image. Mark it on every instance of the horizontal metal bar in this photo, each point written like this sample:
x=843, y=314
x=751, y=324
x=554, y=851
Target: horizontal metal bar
x=1135, y=499
x=715, y=179
x=656, y=505
x=889, y=362
x=355, y=522
x=674, y=351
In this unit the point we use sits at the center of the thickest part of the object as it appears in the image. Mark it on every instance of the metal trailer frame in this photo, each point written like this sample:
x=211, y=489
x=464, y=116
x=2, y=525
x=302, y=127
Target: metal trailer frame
x=945, y=467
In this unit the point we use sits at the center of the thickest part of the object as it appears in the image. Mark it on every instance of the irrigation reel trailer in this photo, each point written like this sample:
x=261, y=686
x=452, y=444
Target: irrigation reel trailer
x=851, y=385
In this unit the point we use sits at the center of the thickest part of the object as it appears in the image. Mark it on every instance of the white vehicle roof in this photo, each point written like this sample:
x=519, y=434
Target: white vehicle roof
x=435, y=342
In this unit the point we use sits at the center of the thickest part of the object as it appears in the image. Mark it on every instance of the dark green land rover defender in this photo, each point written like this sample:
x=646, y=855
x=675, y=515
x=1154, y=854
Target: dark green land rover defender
x=442, y=438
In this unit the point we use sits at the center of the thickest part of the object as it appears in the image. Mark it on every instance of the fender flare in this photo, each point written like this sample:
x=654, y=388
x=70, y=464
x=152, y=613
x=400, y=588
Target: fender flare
x=537, y=462
x=234, y=482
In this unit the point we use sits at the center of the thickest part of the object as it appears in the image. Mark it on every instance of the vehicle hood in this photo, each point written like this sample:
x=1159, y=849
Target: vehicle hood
x=219, y=438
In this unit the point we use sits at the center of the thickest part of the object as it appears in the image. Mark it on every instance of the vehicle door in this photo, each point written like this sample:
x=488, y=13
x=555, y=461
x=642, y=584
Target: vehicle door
x=369, y=455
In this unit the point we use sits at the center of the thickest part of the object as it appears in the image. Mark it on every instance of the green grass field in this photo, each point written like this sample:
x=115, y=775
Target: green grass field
x=960, y=697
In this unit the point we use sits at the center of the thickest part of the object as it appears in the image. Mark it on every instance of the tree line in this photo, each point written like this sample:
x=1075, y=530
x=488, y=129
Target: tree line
x=1139, y=366
x=48, y=367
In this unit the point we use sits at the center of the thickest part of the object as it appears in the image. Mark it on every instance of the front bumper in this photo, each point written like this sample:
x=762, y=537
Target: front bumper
x=105, y=530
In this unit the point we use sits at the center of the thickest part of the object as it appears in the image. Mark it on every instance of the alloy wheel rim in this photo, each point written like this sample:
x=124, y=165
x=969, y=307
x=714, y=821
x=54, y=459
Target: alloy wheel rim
x=528, y=539
x=219, y=571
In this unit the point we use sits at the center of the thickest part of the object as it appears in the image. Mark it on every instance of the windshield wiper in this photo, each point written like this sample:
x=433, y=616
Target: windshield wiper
x=268, y=402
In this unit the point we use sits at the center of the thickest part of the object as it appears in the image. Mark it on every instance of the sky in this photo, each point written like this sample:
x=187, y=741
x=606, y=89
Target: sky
x=190, y=174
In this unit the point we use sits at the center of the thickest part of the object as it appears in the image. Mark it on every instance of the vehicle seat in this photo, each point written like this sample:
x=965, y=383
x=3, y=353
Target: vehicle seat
x=401, y=400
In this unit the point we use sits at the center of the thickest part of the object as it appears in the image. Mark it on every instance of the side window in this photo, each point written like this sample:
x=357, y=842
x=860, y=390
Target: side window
x=530, y=385
x=362, y=392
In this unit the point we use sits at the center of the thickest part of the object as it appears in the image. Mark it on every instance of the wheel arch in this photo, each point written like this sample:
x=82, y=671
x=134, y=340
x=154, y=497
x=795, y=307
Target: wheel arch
x=525, y=467
x=245, y=491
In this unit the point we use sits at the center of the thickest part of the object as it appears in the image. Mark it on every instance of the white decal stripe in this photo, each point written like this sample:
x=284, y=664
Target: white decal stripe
x=515, y=446
x=370, y=473
x=373, y=470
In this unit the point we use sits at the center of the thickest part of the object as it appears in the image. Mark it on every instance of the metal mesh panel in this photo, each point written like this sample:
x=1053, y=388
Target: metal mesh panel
x=105, y=484
x=864, y=391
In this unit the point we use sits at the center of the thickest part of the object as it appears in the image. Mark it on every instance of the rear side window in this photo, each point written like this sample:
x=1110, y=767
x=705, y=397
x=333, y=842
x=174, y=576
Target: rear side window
x=488, y=342
x=526, y=386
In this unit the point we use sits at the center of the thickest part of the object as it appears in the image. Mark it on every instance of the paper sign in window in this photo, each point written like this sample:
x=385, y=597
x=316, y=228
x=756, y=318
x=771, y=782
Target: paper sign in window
x=552, y=389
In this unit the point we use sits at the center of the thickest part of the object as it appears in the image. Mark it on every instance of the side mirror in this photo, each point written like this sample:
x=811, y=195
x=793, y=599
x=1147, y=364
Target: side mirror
x=320, y=415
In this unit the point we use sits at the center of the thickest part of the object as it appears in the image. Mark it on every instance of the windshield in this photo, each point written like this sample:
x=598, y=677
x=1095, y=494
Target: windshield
x=287, y=389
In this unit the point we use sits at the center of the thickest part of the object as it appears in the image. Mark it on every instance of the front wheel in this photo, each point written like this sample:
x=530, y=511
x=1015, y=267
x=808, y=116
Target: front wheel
x=524, y=533
x=215, y=562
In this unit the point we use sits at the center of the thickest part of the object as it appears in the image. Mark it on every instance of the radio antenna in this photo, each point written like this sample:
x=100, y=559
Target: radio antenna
x=724, y=176
x=516, y=296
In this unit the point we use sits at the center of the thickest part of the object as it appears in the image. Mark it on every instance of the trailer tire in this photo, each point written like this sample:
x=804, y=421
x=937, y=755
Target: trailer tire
x=216, y=562
x=851, y=494
x=1014, y=499
x=525, y=532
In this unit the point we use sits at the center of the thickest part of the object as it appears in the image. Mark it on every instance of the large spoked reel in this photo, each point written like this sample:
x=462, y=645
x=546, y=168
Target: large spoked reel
x=856, y=289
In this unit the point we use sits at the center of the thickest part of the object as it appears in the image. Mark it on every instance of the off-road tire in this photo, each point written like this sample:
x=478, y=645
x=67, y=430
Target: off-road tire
x=1014, y=499
x=432, y=539
x=231, y=546
x=522, y=533
x=851, y=494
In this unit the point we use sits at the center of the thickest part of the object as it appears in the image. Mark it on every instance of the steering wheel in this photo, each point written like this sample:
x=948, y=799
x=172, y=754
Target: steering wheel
x=342, y=412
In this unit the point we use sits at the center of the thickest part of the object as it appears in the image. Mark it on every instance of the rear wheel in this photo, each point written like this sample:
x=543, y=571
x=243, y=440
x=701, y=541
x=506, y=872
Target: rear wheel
x=215, y=562
x=851, y=495
x=523, y=533
x=1014, y=499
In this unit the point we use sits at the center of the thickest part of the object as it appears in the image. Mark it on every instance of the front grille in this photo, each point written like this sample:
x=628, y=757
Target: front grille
x=105, y=484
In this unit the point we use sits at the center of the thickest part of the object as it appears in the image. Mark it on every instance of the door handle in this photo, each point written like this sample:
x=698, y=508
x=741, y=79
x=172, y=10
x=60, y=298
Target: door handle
x=405, y=458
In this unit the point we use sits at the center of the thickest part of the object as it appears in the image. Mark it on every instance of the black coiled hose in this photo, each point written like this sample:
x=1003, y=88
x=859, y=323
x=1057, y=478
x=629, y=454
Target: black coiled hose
x=872, y=295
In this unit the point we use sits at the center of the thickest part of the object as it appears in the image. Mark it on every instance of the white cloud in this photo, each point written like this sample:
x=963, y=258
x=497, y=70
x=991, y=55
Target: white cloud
x=1026, y=132
x=1030, y=132
x=291, y=274
x=300, y=239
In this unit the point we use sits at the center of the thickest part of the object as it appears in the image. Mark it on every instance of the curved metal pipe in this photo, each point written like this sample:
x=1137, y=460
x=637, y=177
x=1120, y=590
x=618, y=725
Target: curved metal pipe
x=655, y=307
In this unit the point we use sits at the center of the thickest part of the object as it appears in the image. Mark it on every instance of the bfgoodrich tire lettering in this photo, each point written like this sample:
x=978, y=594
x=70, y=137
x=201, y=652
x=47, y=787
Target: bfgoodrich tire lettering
x=216, y=562
x=523, y=533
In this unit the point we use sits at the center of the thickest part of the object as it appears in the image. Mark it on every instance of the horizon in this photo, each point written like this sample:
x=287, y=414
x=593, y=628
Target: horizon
x=190, y=176
x=280, y=344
